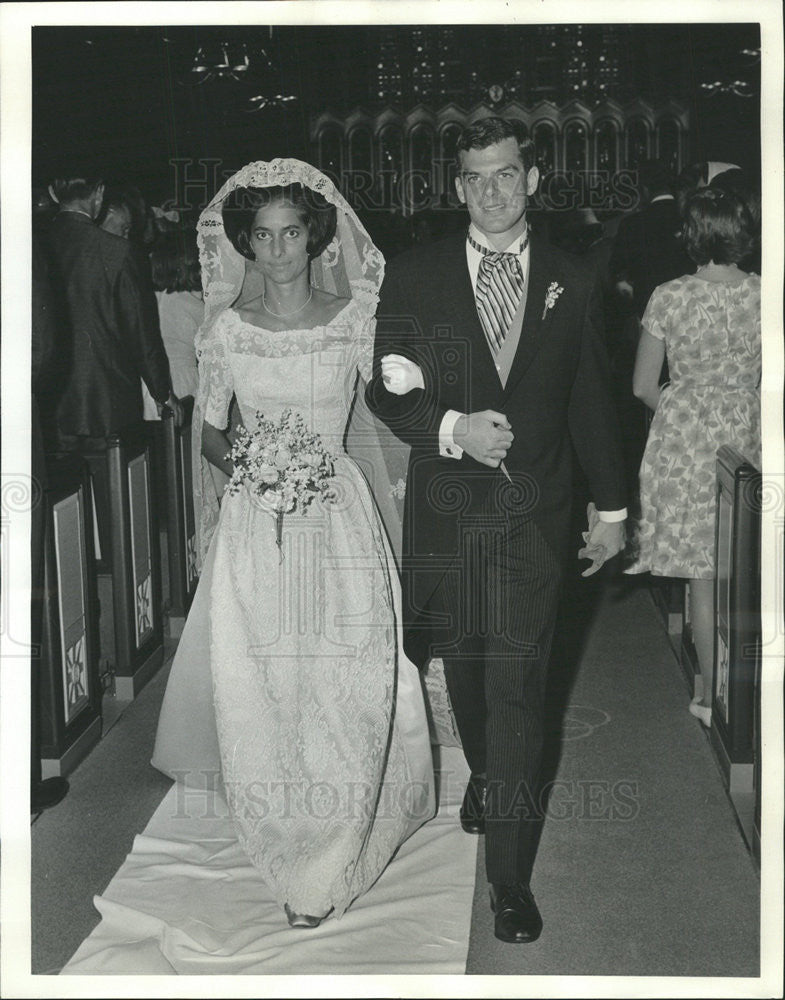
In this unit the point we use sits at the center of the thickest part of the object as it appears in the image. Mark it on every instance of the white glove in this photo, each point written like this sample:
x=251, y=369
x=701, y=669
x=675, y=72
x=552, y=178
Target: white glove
x=400, y=375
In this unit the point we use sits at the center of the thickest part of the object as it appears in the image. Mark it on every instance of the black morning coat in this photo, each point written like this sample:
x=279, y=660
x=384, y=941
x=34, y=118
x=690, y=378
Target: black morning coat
x=557, y=395
x=112, y=337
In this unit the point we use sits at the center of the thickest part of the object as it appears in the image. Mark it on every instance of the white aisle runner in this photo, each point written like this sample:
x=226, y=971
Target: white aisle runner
x=186, y=901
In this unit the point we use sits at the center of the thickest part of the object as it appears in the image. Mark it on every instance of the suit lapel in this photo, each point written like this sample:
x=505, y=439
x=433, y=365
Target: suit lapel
x=542, y=271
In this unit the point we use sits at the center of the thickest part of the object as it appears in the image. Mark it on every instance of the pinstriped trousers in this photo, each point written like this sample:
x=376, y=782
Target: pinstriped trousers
x=499, y=604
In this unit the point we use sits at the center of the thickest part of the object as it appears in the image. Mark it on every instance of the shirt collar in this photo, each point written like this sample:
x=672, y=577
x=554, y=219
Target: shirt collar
x=475, y=234
x=662, y=197
x=473, y=257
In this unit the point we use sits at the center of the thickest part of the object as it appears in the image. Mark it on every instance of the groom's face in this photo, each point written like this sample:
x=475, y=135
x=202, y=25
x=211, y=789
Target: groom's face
x=495, y=186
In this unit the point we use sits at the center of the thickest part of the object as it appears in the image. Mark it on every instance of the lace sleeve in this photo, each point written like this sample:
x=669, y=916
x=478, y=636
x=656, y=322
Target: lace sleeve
x=217, y=387
x=364, y=346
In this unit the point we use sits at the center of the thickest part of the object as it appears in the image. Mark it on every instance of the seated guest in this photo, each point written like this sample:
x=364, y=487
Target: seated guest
x=113, y=336
x=709, y=325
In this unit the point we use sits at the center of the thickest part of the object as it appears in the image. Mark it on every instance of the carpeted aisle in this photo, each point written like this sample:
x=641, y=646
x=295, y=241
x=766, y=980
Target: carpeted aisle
x=642, y=870
x=79, y=845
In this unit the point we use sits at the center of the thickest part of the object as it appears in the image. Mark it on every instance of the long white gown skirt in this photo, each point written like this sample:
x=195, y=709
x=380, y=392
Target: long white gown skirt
x=290, y=686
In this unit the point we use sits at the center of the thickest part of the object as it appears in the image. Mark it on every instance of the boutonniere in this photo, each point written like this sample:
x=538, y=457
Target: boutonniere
x=554, y=291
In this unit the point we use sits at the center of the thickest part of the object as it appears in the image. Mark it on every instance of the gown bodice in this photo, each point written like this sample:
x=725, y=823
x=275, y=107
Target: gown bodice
x=311, y=371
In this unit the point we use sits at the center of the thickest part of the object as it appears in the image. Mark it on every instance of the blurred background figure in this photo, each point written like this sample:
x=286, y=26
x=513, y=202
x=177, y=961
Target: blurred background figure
x=116, y=216
x=648, y=251
x=113, y=338
x=696, y=176
x=709, y=326
x=44, y=211
x=177, y=281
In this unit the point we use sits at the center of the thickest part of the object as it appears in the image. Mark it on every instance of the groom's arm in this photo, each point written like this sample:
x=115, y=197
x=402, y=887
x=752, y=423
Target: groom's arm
x=593, y=421
x=416, y=416
x=594, y=429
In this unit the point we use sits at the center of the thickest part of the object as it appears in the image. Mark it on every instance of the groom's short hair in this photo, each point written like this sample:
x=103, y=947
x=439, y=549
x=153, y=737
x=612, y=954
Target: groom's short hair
x=488, y=131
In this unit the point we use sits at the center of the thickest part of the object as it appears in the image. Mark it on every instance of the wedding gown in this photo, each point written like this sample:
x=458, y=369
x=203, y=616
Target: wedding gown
x=290, y=678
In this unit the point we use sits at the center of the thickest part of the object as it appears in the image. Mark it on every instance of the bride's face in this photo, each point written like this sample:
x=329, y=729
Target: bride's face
x=279, y=240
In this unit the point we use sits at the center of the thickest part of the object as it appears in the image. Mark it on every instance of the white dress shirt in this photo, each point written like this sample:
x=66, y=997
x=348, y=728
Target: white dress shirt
x=447, y=446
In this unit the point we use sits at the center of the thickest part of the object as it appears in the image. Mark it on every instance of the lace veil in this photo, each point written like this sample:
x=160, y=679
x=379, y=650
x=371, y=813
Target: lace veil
x=350, y=266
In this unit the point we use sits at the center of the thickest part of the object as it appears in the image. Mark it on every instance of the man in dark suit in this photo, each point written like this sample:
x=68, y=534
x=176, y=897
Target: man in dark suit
x=489, y=363
x=648, y=250
x=114, y=338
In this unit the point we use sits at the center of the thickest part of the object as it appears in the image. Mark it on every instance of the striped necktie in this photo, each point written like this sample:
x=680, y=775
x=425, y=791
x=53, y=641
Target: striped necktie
x=499, y=290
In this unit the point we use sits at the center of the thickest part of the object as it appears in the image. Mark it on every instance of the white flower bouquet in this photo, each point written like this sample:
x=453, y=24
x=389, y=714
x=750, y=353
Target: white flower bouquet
x=282, y=463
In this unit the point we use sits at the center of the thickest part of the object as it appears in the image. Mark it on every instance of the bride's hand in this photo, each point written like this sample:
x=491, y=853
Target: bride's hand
x=400, y=375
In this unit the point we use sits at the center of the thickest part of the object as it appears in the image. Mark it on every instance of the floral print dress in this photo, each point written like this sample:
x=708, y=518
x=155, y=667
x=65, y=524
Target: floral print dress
x=712, y=334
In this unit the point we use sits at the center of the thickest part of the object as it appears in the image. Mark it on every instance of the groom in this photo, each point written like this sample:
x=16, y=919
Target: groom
x=489, y=363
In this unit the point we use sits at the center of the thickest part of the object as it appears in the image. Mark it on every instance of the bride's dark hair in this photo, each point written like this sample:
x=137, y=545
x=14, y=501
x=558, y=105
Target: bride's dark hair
x=241, y=205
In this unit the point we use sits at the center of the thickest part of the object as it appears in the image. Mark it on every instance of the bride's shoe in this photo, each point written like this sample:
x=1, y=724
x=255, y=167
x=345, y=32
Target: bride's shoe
x=701, y=712
x=301, y=919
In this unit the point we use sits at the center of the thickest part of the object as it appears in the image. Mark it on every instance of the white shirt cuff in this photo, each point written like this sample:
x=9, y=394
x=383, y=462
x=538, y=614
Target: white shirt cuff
x=612, y=516
x=447, y=446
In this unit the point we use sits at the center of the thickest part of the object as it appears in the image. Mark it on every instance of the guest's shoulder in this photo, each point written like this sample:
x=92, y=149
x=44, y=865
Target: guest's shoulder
x=114, y=249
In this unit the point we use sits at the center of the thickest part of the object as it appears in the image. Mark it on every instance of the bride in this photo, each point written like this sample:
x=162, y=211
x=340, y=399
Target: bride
x=290, y=676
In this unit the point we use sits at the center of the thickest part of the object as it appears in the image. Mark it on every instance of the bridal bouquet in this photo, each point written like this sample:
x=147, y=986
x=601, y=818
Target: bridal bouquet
x=282, y=463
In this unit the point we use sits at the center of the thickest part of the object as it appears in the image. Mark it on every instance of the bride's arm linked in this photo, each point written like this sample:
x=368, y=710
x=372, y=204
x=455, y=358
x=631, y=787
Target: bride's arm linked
x=414, y=416
x=215, y=447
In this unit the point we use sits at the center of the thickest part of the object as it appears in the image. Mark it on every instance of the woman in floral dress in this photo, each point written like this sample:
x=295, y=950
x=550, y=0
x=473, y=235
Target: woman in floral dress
x=709, y=326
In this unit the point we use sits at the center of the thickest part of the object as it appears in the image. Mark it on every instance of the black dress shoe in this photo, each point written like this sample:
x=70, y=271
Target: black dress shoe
x=473, y=805
x=518, y=920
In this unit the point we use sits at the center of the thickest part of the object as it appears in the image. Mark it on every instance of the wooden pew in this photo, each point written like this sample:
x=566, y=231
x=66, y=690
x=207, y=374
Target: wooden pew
x=738, y=626
x=180, y=522
x=69, y=686
x=129, y=576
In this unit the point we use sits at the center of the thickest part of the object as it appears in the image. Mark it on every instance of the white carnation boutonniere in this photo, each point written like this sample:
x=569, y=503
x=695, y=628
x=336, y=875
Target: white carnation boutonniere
x=551, y=296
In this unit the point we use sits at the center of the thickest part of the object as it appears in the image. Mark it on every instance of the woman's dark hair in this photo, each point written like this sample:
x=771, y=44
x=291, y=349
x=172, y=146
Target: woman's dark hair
x=488, y=131
x=241, y=205
x=69, y=189
x=718, y=227
x=174, y=263
x=691, y=179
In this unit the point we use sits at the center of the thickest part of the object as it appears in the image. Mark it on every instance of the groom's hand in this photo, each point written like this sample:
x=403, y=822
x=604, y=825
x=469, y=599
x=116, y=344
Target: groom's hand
x=604, y=540
x=485, y=435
